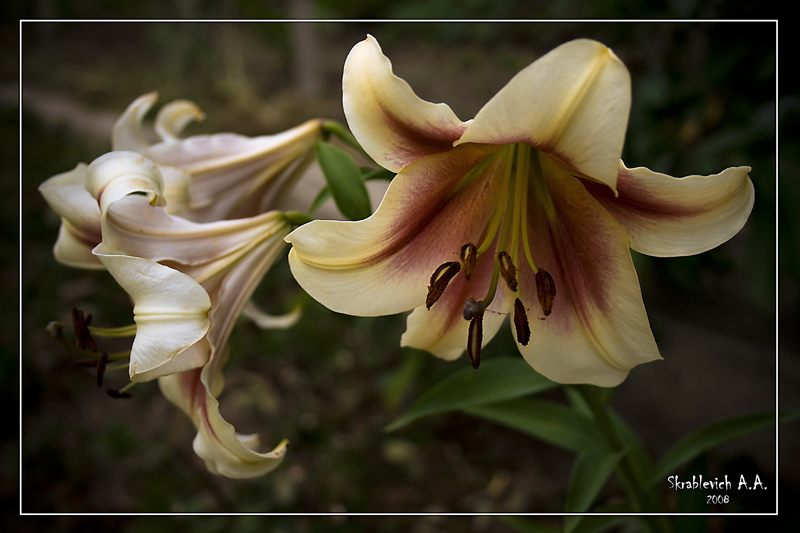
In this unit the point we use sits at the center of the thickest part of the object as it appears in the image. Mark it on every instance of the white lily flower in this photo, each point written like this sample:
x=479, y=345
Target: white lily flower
x=533, y=191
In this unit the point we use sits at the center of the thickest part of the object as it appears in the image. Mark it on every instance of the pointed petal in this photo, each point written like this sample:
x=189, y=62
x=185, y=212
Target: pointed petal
x=224, y=451
x=572, y=102
x=134, y=227
x=74, y=249
x=80, y=218
x=170, y=312
x=174, y=117
x=393, y=124
x=234, y=175
x=442, y=329
x=382, y=265
x=267, y=321
x=127, y=133
x=667, y=217
x=114, y=175
x=598, y=328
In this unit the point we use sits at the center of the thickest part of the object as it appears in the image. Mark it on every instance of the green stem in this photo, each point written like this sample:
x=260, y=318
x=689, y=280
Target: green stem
x=638, y=497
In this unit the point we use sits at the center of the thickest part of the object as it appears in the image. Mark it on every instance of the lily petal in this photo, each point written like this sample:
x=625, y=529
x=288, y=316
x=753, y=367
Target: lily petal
x=234, y=176
x=266, y=321
x=573, y=103
x=174, y=117
x=667, y=217
x=598, y=329
x=115, y=175
x=381, y=265
x=224, y=451
x=170, y=312
x=127, y=133
x=392, y=124
x=80, y=218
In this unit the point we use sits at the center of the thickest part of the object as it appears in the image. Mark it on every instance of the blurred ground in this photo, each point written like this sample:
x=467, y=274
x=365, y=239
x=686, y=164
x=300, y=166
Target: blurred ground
x=333, y=382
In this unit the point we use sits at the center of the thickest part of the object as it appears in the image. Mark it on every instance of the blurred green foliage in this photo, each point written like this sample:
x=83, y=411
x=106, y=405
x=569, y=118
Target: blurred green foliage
x=703, y=100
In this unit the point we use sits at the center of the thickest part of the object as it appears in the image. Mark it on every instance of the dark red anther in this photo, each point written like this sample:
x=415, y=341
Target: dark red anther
x=521, y=323
x=546, y=290
x=508, y=270
x=439, y=280
x=475, y=339
x=469, y=255
x=83, y=337
x=117, y=394
x=101, y=368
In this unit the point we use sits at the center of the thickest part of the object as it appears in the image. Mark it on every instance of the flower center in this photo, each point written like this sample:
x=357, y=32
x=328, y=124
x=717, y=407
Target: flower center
x=520, y=168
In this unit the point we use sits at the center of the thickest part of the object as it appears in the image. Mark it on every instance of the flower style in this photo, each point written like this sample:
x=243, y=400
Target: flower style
x=189, y=282
x=533, y=191
x=204, y=178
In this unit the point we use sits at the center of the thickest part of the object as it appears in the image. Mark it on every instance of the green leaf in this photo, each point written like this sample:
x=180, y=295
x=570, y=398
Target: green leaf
x=344, y=180
x=637, y=456
x=320, y=199
x=689, y=501
x=500, y=378
x=339, y=130
x=713, y=435
x=590, y=472
x=549, y=421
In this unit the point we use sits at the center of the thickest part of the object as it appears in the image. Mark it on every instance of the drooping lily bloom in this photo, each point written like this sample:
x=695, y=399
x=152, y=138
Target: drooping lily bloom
x=526, y=211
x=189, y=282
x=229, y=175
x=204, y=178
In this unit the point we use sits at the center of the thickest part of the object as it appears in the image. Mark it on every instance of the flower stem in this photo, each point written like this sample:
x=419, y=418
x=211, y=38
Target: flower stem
x=639, y=499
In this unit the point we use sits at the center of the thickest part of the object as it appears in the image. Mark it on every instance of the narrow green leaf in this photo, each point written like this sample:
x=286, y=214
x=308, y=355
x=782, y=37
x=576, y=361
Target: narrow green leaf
x=692, y=501
x=549, y=421
x=344, y=180
x=637, y=457
x=713, y=435
x=500, y=378
x=590, y=471
x=320, y=199
x=339, y=130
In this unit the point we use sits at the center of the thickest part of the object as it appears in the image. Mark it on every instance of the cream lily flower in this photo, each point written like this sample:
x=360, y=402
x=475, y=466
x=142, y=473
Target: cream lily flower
x=220, y=176
x=203, y=178
x=532, y=190
x=189, y=282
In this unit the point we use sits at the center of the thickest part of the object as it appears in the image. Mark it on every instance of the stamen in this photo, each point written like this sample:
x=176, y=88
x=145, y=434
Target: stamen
x=83, y=338
x=508, y=270
x=472, y=308
x=469, y=254
x=101, y=368
x=546, y=290
x=122, y=331
x=541, y=188
x=475, y=339
x=497, y=216
x=439, y=280
x=521, y=323
x=524, y=211
x=121, y=393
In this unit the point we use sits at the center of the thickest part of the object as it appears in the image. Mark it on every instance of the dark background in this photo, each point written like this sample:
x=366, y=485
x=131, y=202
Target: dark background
x=703, y=100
